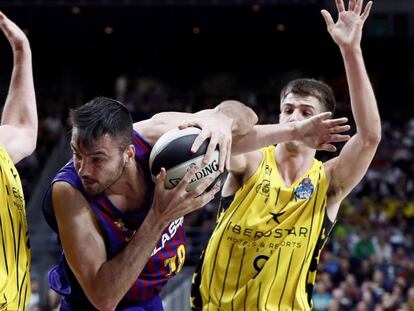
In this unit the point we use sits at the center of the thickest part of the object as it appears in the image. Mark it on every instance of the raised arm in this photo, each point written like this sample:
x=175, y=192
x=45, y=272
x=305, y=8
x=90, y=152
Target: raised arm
x=18, y=130
x=230, y=118
x=346, y=170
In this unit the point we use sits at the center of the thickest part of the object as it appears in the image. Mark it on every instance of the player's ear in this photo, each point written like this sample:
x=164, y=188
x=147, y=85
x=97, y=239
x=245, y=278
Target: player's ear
x=130, y=152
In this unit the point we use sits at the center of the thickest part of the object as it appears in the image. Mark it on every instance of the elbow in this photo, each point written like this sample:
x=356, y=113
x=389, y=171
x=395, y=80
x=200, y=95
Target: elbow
x=374, y=136
x=30, y=142
x=31, y=147
x=103, y=302
x=372, y=139
x=253, y=117
x=248, y=121
x=371, y=136
x=375, y=139
x=101, y=297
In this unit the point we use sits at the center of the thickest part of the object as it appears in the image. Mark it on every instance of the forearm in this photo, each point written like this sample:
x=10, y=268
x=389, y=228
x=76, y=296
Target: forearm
x=20, y=107
x=363, y=102
x=264, y=135
x=116, y=276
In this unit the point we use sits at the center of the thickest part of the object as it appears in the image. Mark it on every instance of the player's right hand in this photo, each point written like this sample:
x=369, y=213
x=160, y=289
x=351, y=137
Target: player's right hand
x=169, y=205
x=217, y=128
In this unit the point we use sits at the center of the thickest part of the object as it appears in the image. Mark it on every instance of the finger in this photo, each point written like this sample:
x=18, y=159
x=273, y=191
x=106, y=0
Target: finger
x=186, y=179
x=335, y=122
x=340, y=5
x=187, y=124
x=340, y=129
x=184, y=126
x=367, y=11
x=200, y=139
x=223, y=149
x=4, y=22
x=358, y=6
x=351, y=5
x=204, y=198
x=2, y=16
x=224, y=154
x=228, y=155
x=200, y=188
x=212, y=145
x=328, y=19
x=324, y=115
x=337, y=138
x=160, y=179
x=327, y=147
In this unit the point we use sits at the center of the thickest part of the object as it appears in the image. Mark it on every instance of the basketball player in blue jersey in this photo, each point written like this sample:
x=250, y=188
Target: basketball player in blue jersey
x=279, y=203
x=18, y=134
x=122, y=236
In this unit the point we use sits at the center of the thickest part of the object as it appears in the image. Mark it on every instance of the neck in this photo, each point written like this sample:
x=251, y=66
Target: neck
x=128, y=180
x=293, y=160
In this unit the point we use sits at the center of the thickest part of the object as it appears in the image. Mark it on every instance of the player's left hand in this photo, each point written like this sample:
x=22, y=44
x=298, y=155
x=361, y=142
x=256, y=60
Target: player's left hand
x=13, y=33
x=347, y=31
x=218, y=128
x=320, y=131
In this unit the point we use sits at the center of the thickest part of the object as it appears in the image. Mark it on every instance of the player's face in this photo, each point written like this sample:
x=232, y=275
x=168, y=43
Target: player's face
x=297, y=108
x=99, y=165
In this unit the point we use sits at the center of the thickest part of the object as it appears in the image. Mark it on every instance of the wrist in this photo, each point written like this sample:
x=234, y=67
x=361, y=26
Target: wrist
x=351, y=50
x=226, y=118
x=154, y=222
x=293, y=131
x=21, y=45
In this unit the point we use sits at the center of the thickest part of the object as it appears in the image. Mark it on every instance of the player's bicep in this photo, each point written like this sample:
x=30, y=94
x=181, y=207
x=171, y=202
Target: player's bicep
x=83, y=245
x=18, y=142
x=238, y=164
x=347, y=169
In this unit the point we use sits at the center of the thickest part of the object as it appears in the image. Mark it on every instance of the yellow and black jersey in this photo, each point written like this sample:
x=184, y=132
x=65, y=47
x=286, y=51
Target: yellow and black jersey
x=14, y=240
x=265, y=248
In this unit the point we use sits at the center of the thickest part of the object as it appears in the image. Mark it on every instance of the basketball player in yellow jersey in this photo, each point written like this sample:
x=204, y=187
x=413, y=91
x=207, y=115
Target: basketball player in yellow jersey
x=279, y=203
x=18, y=134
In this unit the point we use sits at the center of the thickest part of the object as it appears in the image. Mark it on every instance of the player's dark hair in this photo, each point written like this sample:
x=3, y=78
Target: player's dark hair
x=102, y=116
x=307, y=87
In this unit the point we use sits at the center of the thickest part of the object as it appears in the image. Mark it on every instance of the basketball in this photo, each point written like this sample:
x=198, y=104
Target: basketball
x=173, y=152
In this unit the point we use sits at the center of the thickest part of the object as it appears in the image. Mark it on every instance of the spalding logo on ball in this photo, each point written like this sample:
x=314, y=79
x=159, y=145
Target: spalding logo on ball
x=173, y=152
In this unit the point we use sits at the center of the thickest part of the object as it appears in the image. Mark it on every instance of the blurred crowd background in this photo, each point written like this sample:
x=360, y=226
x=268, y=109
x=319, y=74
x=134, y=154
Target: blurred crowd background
x=190, y=55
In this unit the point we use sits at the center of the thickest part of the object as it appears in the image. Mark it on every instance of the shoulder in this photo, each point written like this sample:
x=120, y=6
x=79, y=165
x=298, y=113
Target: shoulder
x=66, y=198
x=242, y=168
x=18, y=142
x=148, y=130
x=141, y=142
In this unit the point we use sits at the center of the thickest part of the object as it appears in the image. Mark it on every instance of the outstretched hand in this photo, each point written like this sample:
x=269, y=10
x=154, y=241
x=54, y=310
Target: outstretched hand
x=13, y=33
x=319, y=131
x=347, y=31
